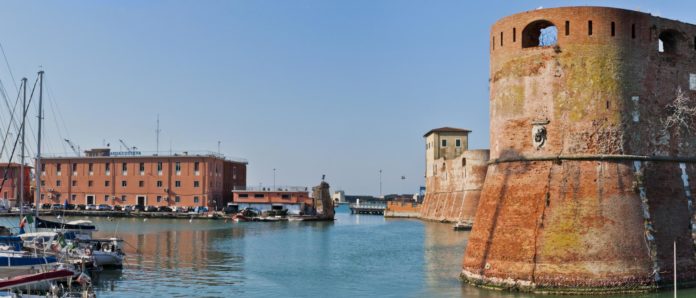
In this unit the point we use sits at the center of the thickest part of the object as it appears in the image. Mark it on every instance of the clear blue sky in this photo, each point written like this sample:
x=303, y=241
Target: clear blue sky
x=342, y=88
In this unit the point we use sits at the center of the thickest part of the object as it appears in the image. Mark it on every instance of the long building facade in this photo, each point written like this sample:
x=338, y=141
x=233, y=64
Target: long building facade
x=184, y=180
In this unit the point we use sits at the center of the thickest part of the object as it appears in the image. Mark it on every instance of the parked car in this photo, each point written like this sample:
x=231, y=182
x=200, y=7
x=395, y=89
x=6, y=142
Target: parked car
x=69, y=207
x=81, y=207
x=104, y=207
x=182, y=209
x=140, y=208
x=91, y=207
x=229, y=209
x=164, y=209
x=45, y=206
x=151, y=209
x=128, y=208
x=117, y=208
x=57, y=207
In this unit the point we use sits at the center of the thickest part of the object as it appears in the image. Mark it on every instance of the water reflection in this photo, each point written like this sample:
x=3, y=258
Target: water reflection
x=355, y=256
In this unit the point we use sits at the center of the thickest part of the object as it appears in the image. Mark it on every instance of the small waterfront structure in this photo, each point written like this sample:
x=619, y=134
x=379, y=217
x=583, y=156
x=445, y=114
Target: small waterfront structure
x=454, y=176
x=294, y=199
x=323, y=204
x=184, y=179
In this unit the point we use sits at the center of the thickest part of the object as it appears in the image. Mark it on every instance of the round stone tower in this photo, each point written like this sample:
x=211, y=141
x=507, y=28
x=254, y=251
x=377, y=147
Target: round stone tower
x=593, y=124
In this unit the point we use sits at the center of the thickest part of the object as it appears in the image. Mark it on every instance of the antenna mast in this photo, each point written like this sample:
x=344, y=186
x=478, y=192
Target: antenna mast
x=37, y=175
x=157, y=132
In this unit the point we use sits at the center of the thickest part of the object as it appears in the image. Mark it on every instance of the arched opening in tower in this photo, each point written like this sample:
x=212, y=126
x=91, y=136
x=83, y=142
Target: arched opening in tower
x=668, y=42
x=541, y=33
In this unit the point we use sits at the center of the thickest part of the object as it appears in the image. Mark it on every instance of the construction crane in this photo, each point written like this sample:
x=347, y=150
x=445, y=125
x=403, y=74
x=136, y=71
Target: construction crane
x=128, y=148
x=74, y=148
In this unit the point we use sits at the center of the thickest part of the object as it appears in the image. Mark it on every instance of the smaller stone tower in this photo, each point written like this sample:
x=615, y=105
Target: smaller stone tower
x=453, y=176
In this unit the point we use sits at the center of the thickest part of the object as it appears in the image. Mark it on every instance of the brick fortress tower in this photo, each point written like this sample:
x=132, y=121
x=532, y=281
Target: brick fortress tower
x=592, y=146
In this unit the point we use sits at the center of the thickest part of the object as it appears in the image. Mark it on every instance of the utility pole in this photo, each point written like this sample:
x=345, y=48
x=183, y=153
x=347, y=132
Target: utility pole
x=21, y=155
x=37, y=176
x=274, y=184
x=157, y=132
x=380, y=183
x=218, y=147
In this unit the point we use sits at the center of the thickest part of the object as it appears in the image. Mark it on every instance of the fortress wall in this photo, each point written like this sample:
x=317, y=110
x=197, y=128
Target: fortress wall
x=452, y=192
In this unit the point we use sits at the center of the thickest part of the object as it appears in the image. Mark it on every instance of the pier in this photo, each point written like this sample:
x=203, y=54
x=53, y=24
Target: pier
x=368, y=208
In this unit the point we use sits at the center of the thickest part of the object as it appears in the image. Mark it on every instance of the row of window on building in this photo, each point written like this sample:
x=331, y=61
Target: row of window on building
x=260, y=195
x=124, y=198
x=124, y=183
x=124, y=168
x=443, y=143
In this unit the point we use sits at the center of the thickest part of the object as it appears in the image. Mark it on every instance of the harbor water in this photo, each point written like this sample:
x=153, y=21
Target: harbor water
x=355, y=256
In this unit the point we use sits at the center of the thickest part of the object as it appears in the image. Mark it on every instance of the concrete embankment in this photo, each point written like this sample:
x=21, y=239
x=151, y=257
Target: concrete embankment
x=95, y=213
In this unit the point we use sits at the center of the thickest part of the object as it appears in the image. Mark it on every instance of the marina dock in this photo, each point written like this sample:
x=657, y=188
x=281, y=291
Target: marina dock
x=368, y=208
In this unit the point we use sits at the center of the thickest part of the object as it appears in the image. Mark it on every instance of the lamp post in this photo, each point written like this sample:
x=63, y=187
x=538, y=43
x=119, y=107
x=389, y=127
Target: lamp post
x=380, y=182
x=274, y=181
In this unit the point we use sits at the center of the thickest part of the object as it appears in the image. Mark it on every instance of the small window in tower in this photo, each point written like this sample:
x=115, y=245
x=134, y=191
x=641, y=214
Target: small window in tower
x=539, y=33
x=589, y=27
x=458, y=143
x=514, y=34
x=613, y=29
x=567, y=28
x=501, y=39
x=444, y=143
x=633, y=30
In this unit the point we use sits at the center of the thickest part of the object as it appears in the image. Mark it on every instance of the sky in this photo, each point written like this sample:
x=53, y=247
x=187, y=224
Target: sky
x=341, y=88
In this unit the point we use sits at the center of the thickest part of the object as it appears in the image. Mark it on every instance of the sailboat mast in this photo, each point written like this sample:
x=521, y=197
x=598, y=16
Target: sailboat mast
x=21, y=165
x=38, y=168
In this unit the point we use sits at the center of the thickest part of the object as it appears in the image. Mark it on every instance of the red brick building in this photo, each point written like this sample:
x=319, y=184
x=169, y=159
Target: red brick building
x=293, y=199
x=159, y=180
x=11, y=186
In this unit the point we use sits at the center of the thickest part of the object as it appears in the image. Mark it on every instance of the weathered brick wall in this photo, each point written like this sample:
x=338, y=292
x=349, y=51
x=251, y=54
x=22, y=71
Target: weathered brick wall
x=598, y=203
x=452, y=192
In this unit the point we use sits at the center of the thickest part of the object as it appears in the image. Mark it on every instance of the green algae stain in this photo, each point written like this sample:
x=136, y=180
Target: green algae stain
x=562, y=235
x=591, y=77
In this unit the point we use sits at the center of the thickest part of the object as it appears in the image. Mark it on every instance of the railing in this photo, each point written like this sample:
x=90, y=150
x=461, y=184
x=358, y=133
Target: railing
x=370, y=205
x=271, y=188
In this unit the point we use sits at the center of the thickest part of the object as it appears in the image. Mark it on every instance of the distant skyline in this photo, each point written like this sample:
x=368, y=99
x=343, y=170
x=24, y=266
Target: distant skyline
x=342, y=88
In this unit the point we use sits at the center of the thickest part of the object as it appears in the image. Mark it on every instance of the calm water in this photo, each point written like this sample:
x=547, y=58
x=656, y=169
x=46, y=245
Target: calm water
x=355, y=256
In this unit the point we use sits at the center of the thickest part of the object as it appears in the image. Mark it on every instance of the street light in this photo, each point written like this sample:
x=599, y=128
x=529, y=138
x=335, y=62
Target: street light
x=380, y=182
x=274, y=182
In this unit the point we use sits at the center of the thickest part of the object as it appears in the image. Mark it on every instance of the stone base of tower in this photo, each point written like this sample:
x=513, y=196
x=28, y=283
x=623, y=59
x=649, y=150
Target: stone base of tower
x=455, y=206
x=583, y=226
x=453, y=187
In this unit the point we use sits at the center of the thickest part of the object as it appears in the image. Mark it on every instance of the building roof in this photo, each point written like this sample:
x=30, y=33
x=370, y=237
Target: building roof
x=447, y=129
x=154, y=157
x=12, y=165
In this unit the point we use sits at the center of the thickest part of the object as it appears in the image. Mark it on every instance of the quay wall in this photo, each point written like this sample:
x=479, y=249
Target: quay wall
x=588, y=184
x=454, y=186
x=402, y=209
